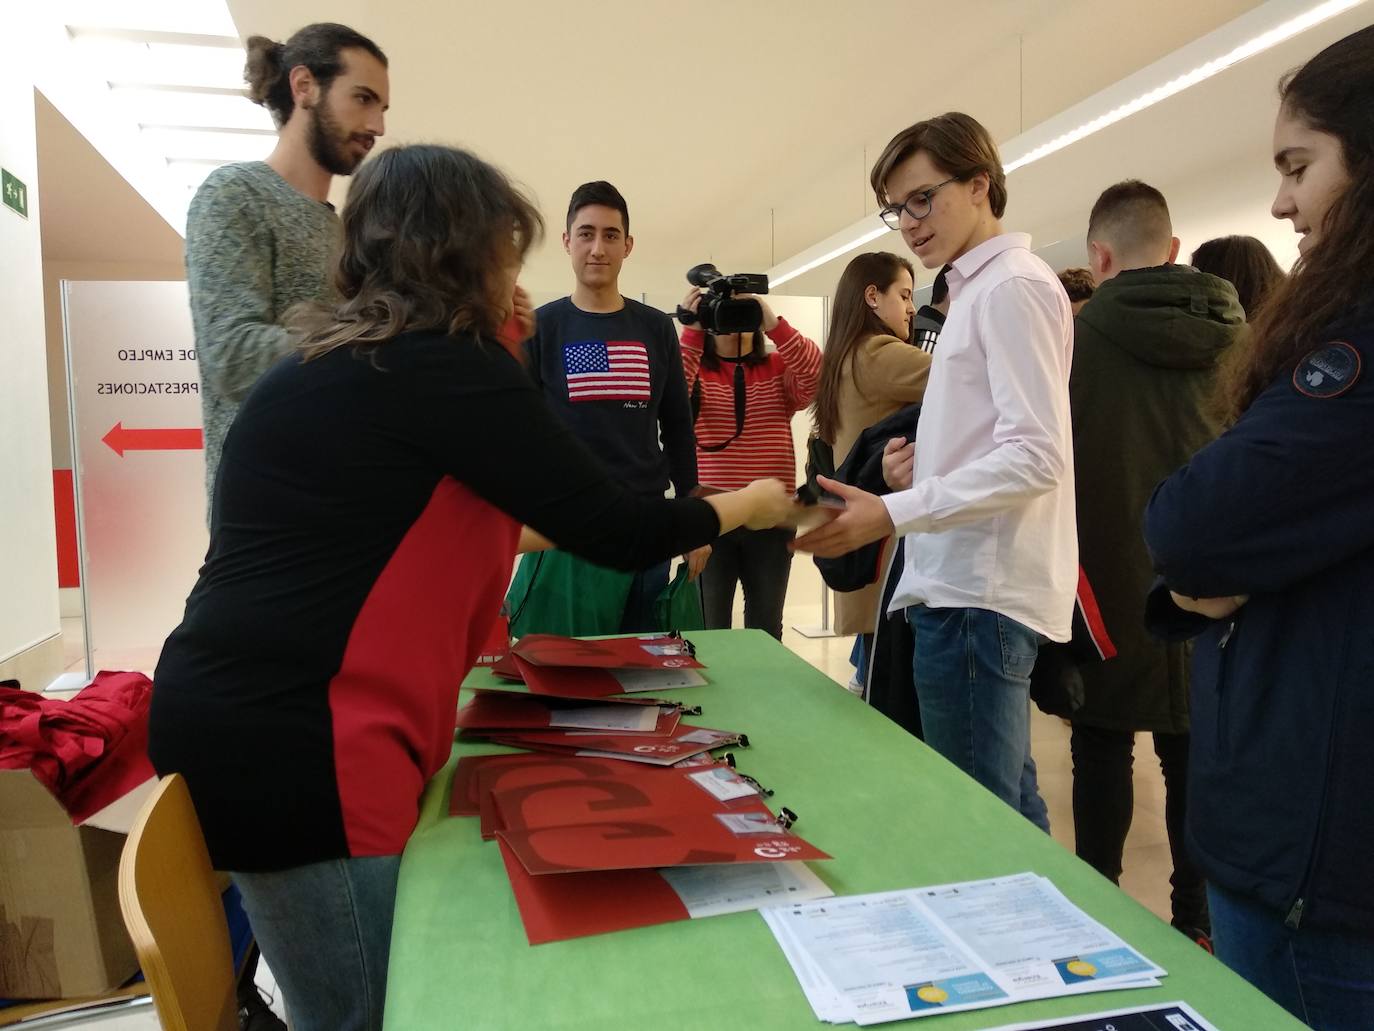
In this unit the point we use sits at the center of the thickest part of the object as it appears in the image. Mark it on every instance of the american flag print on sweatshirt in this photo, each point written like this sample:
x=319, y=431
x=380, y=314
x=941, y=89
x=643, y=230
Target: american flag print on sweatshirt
x=612, y=370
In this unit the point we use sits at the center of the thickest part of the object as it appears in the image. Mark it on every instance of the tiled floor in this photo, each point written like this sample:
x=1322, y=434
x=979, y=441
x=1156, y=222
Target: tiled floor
x=1147, y=863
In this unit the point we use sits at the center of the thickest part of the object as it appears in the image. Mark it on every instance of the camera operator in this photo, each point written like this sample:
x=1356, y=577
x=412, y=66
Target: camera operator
x=744, y=397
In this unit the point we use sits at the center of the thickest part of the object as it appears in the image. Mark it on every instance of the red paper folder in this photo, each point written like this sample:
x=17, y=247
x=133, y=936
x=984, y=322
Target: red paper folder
x=567, y=681
x=685, y=741
x=680, y=840
x=478, y=778
x=541, y=793
x=658, y=652
x=465, y=798
x=609, y=790
x=511, y=710
x=576, y=905
x=630, y=817
x=481, y=779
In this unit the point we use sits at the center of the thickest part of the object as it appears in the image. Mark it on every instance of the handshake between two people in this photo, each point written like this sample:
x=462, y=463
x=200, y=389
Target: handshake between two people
x=857, y=517
x=764, y=504
x=850, y=519
x=761, y=505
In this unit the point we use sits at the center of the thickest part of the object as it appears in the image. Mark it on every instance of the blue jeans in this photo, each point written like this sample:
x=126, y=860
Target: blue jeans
x=858, y=656
x=325, y=932
x=972, y=672
x=1324, y=978
x=645, y=588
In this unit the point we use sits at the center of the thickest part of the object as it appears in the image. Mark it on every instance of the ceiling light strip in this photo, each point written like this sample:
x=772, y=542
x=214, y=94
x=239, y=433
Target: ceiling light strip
x=849, y=244
x=153, y=127
x=1172, y=87
x=856, y=236
x=180, y=39
x=168, y=87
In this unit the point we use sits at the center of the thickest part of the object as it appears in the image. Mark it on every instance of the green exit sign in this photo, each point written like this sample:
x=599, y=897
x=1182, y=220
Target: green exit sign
x=14, y=193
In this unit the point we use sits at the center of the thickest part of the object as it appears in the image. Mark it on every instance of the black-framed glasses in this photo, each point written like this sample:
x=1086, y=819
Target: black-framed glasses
x=917, y=206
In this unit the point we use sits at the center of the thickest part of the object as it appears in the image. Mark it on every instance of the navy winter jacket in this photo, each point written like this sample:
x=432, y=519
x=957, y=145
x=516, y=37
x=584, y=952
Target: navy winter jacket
x=1281, y=508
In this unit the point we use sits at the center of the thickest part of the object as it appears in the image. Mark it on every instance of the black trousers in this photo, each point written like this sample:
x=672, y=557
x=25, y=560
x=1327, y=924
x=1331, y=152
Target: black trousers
x=760, y=561
x=1104, y=801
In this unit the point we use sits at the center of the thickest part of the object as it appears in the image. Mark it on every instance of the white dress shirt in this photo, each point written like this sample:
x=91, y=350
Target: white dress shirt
x=990, y=513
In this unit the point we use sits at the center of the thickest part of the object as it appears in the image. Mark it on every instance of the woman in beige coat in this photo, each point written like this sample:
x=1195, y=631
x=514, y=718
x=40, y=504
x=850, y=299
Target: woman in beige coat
x=868, y=372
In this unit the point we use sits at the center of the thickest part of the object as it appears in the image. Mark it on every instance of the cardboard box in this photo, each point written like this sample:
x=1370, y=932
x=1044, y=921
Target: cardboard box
x=61, y=930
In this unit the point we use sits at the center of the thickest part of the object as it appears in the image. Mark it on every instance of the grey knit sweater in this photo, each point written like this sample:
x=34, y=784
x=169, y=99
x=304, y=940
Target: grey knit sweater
x=255, y=246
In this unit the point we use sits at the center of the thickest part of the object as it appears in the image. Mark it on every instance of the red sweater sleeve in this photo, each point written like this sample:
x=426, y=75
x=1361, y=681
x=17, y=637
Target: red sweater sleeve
x=802, y=362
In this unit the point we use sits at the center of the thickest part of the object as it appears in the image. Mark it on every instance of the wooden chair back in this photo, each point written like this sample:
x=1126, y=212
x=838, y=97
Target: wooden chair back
x=172, y=907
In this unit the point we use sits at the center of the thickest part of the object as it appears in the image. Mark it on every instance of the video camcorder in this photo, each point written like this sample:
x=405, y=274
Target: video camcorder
x=720, y=310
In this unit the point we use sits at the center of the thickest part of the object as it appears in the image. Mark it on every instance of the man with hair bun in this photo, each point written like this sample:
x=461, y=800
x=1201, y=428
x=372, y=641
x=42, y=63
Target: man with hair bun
x=261, y=235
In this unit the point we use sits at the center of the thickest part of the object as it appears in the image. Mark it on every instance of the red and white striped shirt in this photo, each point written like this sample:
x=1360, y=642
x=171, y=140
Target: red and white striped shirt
x=775, y=389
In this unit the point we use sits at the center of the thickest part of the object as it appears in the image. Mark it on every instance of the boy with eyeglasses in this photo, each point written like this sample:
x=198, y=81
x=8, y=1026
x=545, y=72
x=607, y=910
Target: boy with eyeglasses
x=992, y=548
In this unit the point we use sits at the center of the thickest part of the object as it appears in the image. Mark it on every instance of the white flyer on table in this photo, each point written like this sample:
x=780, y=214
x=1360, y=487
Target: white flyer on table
x=825, y=1001
x=886, y=959
x=1024, y=928
x=902, y=954
x=736, y=887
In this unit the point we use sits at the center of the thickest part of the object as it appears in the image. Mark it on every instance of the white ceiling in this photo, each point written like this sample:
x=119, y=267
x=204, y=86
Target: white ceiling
x=88, y=212
x=1208, y=149
x=739, y=132
x=748, y=150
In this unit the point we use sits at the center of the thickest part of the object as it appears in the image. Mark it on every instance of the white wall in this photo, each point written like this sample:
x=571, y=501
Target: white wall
x=1233, y=200
x=28, y=557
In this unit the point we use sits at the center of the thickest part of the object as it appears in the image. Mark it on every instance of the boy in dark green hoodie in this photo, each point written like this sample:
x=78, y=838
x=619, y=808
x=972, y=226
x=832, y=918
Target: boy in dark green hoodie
x=1146, y=352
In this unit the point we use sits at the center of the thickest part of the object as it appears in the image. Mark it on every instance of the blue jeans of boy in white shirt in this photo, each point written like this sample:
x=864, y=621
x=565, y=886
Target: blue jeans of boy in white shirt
x=972, y=674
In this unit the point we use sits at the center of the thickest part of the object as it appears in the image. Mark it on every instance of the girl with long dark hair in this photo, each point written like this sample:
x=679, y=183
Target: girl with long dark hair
x=1265, y=541
x=1246, y=264
x=870, y=370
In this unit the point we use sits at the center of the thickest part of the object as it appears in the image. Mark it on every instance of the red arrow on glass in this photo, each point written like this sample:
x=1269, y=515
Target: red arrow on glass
x=120, y=440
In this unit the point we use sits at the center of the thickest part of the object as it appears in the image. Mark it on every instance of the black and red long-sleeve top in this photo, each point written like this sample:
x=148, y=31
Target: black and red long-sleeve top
x=366, y=518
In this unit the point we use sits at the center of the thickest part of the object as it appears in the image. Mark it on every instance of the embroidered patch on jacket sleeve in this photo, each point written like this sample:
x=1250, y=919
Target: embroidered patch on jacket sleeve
x=1327, y=372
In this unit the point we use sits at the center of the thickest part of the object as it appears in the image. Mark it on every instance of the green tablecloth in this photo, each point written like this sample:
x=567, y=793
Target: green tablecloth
x=891, y=812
